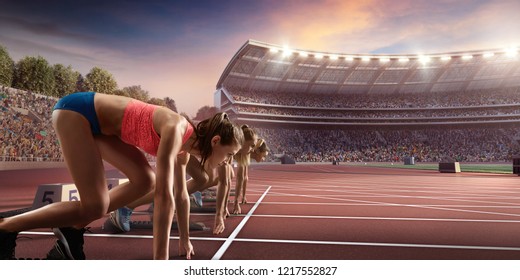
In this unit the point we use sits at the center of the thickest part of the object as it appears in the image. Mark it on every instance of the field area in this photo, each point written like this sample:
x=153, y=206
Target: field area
x=497, y=168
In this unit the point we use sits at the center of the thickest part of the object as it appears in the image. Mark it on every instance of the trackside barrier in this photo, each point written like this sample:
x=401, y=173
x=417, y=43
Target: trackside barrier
x=449, y=167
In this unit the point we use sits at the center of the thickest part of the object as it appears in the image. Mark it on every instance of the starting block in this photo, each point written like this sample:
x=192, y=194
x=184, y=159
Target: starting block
x=149, y=225
x=57, y=192
x=203, y=210
x=50, y=193
x=112, y=182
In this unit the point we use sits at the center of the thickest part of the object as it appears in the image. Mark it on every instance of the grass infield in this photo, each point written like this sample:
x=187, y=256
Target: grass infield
x=499, y=168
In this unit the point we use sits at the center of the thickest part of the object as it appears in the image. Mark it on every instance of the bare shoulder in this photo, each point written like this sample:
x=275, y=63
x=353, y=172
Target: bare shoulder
x=166, y=120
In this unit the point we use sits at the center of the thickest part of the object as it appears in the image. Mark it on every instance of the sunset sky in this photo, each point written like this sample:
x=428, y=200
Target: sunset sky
x=180, y=48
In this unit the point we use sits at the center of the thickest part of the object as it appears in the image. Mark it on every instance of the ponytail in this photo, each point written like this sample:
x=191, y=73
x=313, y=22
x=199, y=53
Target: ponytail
x=219, y=125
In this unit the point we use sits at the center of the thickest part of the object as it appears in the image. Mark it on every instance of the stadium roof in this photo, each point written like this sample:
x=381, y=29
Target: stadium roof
x=266, y=67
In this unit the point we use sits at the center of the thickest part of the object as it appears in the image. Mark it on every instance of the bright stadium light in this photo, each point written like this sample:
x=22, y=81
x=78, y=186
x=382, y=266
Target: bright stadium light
x=445, y=58
x=424, y=59
x=273, y=50
x=304, y=54
x=349, y=58
x=365, y=58
x=511, y=52
x=404, y=59
x=286, y=52
x=488, y=54
x=384, y=59
x=333, y=57
x=318, y=55
x=467, y=57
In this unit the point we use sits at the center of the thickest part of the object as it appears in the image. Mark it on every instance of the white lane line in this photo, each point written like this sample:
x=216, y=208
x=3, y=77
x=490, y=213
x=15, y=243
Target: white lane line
x=305, y=242
x=387, y=218
x=377, y=205
x=234, y=234
x=408, y=205
x=382, y=244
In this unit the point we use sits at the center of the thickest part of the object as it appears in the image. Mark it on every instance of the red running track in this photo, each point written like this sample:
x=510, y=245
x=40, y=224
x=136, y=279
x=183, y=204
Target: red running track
x=323, y=212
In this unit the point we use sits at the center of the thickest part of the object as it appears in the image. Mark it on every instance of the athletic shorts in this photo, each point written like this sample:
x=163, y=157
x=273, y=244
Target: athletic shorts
x=83, y=103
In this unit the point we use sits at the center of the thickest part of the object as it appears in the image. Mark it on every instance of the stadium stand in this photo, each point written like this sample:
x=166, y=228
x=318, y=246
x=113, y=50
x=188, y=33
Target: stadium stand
x=324, y=106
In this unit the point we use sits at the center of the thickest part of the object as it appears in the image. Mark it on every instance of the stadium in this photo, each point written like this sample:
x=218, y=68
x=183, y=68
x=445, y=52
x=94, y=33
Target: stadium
x=362, y=112
x=317, y=106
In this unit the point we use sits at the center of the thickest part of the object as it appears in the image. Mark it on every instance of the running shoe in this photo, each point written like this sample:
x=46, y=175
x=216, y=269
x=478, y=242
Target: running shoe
x=121, y=218
x=196, y=198
x=69, y=245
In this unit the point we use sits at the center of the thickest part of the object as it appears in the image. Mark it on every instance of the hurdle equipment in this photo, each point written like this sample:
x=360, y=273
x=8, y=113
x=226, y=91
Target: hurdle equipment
x=449, y=167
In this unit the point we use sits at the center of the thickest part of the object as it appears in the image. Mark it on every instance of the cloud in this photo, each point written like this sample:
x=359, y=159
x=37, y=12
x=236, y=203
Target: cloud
x=43, y=28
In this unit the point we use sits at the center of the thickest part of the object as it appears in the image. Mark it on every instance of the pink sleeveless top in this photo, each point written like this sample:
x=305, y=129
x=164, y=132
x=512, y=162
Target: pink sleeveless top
x=137, y=127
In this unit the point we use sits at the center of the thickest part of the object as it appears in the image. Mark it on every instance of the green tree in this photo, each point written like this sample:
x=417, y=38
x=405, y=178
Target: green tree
x=65, y=80
x=34, y=74
x=100, y=80
x=80, y=83
x=6, y=68
x=206, y=112
x=170, y=103
x=120, y=92
x=157, y=101
x=137, y=92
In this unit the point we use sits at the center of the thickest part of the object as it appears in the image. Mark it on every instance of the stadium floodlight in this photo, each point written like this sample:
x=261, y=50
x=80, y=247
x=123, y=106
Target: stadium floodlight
x=384, y=59
x=286, y=52
x=511, y=52
x=333, y=56
x=404, y=59
x=467, y=56
x=446, y=58
x=318, y=55
x=488, y=54
x=349, y=58
x=424, y=58
x=304, y=54
x=273, y=50
x=365, y=58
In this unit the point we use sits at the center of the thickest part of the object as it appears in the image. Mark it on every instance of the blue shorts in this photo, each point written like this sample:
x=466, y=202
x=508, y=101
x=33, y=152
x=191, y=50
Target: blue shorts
x=83, y=103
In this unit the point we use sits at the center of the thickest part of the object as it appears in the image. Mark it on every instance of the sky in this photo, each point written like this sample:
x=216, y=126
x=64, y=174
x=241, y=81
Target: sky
x=179, y=49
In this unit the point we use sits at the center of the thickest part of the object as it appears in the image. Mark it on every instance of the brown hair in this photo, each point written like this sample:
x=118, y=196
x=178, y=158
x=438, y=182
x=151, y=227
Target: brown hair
x=219, y=125
x=261, y=146
x=249, y=133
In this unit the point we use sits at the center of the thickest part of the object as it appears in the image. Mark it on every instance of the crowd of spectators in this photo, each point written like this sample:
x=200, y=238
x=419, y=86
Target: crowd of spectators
x=481, y=105
x=427, y=145
x=26, y=132
x=381, y=100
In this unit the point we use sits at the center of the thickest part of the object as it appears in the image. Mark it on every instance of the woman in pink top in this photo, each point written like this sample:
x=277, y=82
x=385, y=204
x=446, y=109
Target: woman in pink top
x=93, y=127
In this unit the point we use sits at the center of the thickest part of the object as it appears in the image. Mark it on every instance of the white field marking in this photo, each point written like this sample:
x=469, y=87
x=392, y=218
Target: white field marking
x=354, y=195
x=386, y=218
x=431, y=246
x=364, y=204
x=311, y=183
x=305, y=242
x=234, y=234
x=416, y=206
x=370, y=187
x=423, y=197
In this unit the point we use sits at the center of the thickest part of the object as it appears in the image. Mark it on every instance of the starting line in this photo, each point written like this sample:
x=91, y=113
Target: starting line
x=234, y=234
